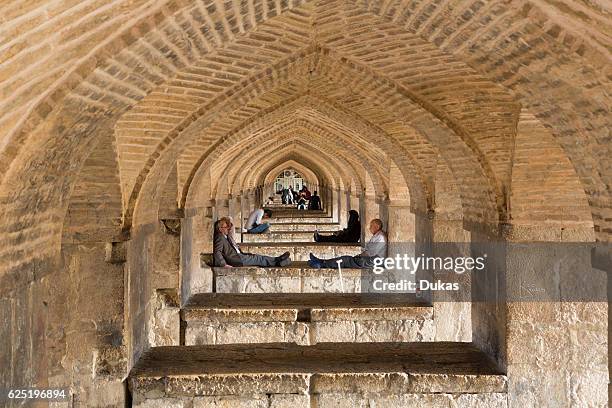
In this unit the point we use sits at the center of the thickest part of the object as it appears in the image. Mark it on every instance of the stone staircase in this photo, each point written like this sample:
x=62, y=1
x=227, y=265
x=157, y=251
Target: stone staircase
x=302, y=338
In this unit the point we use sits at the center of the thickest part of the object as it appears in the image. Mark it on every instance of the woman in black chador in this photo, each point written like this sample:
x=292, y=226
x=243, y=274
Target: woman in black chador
x=352, y=232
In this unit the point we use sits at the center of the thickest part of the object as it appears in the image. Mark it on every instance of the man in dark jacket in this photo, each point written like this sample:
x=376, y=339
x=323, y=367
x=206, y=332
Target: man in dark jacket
x=315, y=202
x=227, y=253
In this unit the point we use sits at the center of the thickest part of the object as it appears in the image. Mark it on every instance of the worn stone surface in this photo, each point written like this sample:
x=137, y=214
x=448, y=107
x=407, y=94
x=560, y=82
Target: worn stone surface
x=295, y=279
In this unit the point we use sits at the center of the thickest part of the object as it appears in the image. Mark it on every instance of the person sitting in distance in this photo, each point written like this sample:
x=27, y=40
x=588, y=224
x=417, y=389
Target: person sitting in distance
x=315, y=202
x=352, y=232
x=375, y=248
x=227, y=253
x=257, y=223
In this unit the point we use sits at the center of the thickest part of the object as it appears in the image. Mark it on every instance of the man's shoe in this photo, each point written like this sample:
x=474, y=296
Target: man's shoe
x=284, y=262
x=314, y=264
x=284, y=256
x=313, y=258
x=316, y=236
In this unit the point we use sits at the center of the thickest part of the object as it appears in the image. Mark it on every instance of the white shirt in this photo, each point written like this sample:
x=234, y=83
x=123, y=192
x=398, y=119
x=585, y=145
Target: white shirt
x=255, y=218
x=376, y=246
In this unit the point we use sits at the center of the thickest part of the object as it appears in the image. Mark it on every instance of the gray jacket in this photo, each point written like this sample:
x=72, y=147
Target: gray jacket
x=223, y=251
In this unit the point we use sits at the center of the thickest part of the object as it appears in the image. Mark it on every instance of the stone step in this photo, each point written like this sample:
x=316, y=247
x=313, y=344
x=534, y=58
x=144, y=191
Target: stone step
x=306, y=226
x=280, y=236
x=299, y=251
x=297, y=278
x=301, y=220
x=304, y=300
x=306, y=326
x=414, y=374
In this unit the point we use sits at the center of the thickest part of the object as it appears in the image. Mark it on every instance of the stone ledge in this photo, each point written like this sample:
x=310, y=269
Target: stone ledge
x=388, y=383
x=436, y=358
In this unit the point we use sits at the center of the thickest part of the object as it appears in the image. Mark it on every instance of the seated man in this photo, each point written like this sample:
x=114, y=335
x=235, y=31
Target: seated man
x=255, y=224
x=227, y=253
x=352, y=232
x=375, y=248
x=315, y=202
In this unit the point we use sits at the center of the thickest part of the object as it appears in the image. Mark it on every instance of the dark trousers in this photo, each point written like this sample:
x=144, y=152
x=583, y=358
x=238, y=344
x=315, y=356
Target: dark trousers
x=348, y=261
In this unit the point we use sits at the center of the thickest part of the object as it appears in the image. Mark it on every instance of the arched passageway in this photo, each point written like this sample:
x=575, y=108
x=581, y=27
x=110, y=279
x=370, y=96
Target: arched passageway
x=127, y=129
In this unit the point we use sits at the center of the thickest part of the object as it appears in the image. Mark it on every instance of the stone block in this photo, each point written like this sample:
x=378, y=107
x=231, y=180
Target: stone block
x=258, y=332
x=200, y=333
x=253, y=401
x=240, y=315
x=457, y=383
x=161, y=403
x=492, y=400
x=530, y=386
x=165, y=330
x=369, y=314
x=394, y=330
x=357, y=383
x=340, y=400
x=333, y=332
x=298, y=333
x=237, y=384
x=410, y=401
x=289, y=401
x=589, y=388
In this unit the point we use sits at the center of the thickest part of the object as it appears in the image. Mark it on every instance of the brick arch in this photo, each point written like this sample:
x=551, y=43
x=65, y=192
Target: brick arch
x=476, y=190
x=257, y=139
x=552, y=62
x=295, y=157
x=321, y=135
x=324, y=160
x=284, y=150
x=288, y=110
x=333, y=174
x=342, y=175
x=292, y=164
x=76, y=51
x=375, y=134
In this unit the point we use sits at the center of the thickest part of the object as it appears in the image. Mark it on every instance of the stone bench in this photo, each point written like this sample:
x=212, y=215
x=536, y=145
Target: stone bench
x=279, y=236
x=413, y=374
x=300, y=219
x=299, y=250
x=306, y=326
x=324, y=227
x=294, y=279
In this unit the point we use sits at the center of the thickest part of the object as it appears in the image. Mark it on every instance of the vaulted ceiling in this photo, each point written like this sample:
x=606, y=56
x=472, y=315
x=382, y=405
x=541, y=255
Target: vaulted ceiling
x=349, y=89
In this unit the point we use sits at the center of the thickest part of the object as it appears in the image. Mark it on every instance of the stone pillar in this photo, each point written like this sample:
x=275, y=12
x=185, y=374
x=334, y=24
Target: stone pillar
x=244, y=208
x=556, y=320
x=196, y=238
x=382, y=201
x=363, y=216
x=354, y=202
x=400, y=222
x=335, y=204
x=222, y=207
x=453, y=320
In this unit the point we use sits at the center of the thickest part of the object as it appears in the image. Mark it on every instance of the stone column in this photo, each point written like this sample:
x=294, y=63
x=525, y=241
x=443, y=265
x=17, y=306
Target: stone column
x=363, y=216
x=556, y=320
x=453, y=320
x=222, y=207
x=335, y=204
x=354, y=202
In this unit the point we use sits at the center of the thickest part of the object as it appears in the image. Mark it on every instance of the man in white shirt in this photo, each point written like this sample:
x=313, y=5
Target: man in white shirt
x=257, y=221
x=375, y=248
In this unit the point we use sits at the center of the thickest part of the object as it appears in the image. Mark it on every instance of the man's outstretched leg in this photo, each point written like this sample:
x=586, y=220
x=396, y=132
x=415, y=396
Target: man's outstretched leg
x=263, y=260
x=347, y=262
